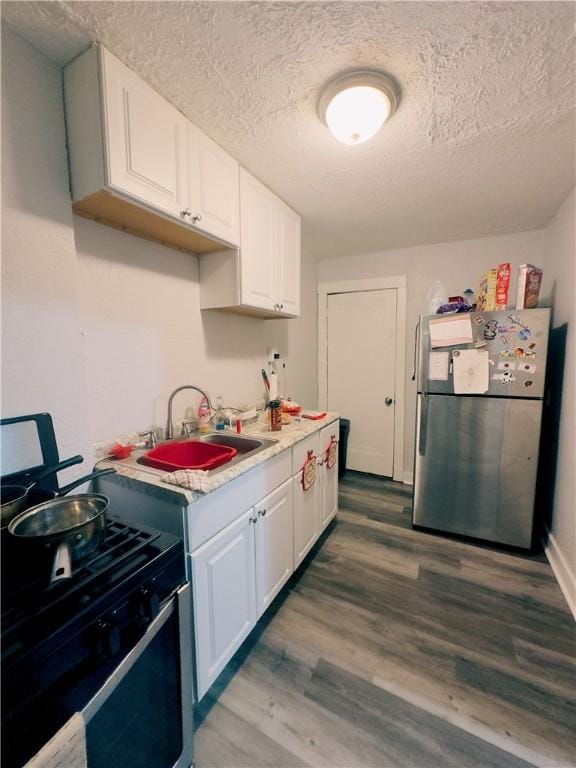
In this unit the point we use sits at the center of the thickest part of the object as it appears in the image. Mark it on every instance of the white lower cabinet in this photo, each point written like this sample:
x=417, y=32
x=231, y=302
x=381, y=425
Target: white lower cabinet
x=238, y=572
x=306, y=518
x=328, y=476
x=223, y=582
x=274, y=558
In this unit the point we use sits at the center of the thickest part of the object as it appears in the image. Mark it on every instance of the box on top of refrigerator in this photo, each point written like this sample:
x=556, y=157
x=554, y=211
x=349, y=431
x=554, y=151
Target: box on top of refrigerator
x=529, y=282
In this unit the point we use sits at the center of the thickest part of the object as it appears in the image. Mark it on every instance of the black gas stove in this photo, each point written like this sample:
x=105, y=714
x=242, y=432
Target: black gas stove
x=62, y=644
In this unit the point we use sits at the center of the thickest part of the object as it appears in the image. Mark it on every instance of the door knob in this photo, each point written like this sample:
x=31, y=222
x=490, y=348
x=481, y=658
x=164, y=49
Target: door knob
x=388, y=401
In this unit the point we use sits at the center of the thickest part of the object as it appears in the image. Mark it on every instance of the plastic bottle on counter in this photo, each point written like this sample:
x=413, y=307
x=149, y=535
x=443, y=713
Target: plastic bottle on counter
x=204, y=416
x=219, y=418
x=437, y=295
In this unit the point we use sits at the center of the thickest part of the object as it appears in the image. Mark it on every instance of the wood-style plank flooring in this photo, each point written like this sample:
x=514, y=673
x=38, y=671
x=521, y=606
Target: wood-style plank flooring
x=394, y=647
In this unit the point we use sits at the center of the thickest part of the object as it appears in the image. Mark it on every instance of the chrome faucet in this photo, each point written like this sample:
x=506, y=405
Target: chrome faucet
x=169, y=425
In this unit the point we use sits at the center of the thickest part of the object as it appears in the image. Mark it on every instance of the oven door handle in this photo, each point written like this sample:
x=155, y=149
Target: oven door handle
x=128, y=662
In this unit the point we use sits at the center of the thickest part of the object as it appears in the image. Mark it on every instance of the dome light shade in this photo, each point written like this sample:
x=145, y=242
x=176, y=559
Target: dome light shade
x=355, y=105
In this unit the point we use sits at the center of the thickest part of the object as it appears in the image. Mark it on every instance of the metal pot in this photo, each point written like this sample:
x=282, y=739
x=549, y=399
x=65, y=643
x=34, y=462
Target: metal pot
x=74, y=526
x=14, y=497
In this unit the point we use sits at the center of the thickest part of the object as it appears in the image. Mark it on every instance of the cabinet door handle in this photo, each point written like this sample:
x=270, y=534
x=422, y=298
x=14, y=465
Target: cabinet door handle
x=186, y=212
x=196, y=218
x=254, y=518
x=262, y=512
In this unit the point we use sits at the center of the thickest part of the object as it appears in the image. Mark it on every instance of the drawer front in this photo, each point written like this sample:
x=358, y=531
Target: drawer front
x=300, y=451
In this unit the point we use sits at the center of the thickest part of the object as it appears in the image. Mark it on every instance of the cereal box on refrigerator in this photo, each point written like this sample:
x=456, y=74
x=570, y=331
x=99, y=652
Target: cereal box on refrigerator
x=529, y=282
x=502, y=286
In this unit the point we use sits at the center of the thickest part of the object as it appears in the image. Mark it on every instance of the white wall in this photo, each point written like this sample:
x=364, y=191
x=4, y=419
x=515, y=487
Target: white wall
x=99, y=326
x=42, y=348
x=145, y=334
x=459, y=265
x=560, y=264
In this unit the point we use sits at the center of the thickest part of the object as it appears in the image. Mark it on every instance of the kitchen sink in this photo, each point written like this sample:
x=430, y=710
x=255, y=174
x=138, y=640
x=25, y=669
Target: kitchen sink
x=213, y=452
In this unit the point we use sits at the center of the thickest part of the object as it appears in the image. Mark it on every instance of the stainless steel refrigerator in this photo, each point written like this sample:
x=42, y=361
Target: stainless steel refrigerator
x=476, y=457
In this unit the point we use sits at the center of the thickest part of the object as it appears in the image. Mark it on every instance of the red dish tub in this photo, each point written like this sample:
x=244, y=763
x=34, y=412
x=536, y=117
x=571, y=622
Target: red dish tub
x=187, y=454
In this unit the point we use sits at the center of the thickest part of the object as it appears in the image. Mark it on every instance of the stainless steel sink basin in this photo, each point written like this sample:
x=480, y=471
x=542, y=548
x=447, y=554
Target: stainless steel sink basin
x=242, y=444
x=246, y=446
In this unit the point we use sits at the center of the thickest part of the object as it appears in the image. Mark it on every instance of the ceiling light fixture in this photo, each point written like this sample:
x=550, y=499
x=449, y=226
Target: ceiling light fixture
x=356, y=105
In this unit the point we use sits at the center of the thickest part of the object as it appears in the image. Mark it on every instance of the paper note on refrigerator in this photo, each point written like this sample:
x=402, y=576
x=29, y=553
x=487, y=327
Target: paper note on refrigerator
x=471, y=371
x=438, y=366
x=450, y=330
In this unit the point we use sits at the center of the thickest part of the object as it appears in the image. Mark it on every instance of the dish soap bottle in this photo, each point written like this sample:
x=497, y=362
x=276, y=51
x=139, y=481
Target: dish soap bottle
x=204, y=416
x=219, y=418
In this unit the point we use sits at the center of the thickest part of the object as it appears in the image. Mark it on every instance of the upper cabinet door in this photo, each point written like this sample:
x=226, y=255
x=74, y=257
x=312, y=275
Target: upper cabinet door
x=259, y=251
x=146, y=140
x=214, y=182
x=288, y=276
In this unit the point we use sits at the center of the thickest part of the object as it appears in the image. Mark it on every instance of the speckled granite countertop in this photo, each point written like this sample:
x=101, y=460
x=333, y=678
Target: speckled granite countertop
x=172, y=486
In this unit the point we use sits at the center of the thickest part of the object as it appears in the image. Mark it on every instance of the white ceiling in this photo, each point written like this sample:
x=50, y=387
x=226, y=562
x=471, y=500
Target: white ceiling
x=483, y=141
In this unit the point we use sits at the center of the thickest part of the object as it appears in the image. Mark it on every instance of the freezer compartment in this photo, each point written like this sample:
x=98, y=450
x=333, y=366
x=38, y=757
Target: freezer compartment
x=476, y=466
x=517, y=344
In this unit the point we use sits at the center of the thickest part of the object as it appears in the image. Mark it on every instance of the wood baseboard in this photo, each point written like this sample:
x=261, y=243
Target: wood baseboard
x=559, y=564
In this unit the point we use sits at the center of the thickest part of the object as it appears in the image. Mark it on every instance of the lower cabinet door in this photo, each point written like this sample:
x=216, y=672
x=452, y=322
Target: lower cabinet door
x=224, y=584
x=306, y=517
x=274, y=548
x=329, y=476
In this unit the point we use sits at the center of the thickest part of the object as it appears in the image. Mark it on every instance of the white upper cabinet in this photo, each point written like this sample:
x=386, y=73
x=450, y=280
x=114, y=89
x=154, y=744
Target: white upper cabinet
x=136, y=163
x=146, y=140
x=214, y=187
x=288, y=267
x=259, y=232
x=139, y=164
x=263, y=277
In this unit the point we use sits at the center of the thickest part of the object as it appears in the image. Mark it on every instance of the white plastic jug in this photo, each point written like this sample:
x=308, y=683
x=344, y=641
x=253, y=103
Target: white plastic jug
x=437, y=295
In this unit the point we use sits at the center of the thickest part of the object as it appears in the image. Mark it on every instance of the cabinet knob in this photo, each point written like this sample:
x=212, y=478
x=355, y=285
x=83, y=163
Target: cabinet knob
x=196, y=218
x=281, y=306
x=262, y=512
x=186, y=212
x=254, y=518
x=388, y=401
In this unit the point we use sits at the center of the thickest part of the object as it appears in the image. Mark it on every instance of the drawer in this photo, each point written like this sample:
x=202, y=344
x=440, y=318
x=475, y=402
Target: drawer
x=300, y=451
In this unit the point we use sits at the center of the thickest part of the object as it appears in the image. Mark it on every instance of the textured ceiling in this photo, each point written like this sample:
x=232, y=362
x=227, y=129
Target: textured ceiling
x=483, y=141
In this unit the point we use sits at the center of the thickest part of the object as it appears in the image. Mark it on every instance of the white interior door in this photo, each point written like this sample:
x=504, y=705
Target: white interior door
x=361, y=372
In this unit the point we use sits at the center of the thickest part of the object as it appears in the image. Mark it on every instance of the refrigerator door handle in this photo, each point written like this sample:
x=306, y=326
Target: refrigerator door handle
x=423, y=424
x=416, y=340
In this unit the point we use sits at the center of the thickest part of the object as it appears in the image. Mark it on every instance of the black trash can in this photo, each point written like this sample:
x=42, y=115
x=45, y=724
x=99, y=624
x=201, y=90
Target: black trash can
x=343, y=447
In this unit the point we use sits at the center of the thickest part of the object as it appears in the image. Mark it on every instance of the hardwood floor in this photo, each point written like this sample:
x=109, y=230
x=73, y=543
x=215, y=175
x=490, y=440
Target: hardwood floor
x=394, y=647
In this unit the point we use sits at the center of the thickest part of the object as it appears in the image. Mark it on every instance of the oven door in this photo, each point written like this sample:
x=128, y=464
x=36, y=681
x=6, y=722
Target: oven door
x=142, y=715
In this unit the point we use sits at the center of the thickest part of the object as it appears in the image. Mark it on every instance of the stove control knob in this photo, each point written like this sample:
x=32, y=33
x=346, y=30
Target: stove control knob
x=149, y=604
x=108, y=639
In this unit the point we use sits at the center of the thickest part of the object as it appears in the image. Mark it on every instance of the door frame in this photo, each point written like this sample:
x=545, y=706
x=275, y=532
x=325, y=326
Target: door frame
x=397, y=283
